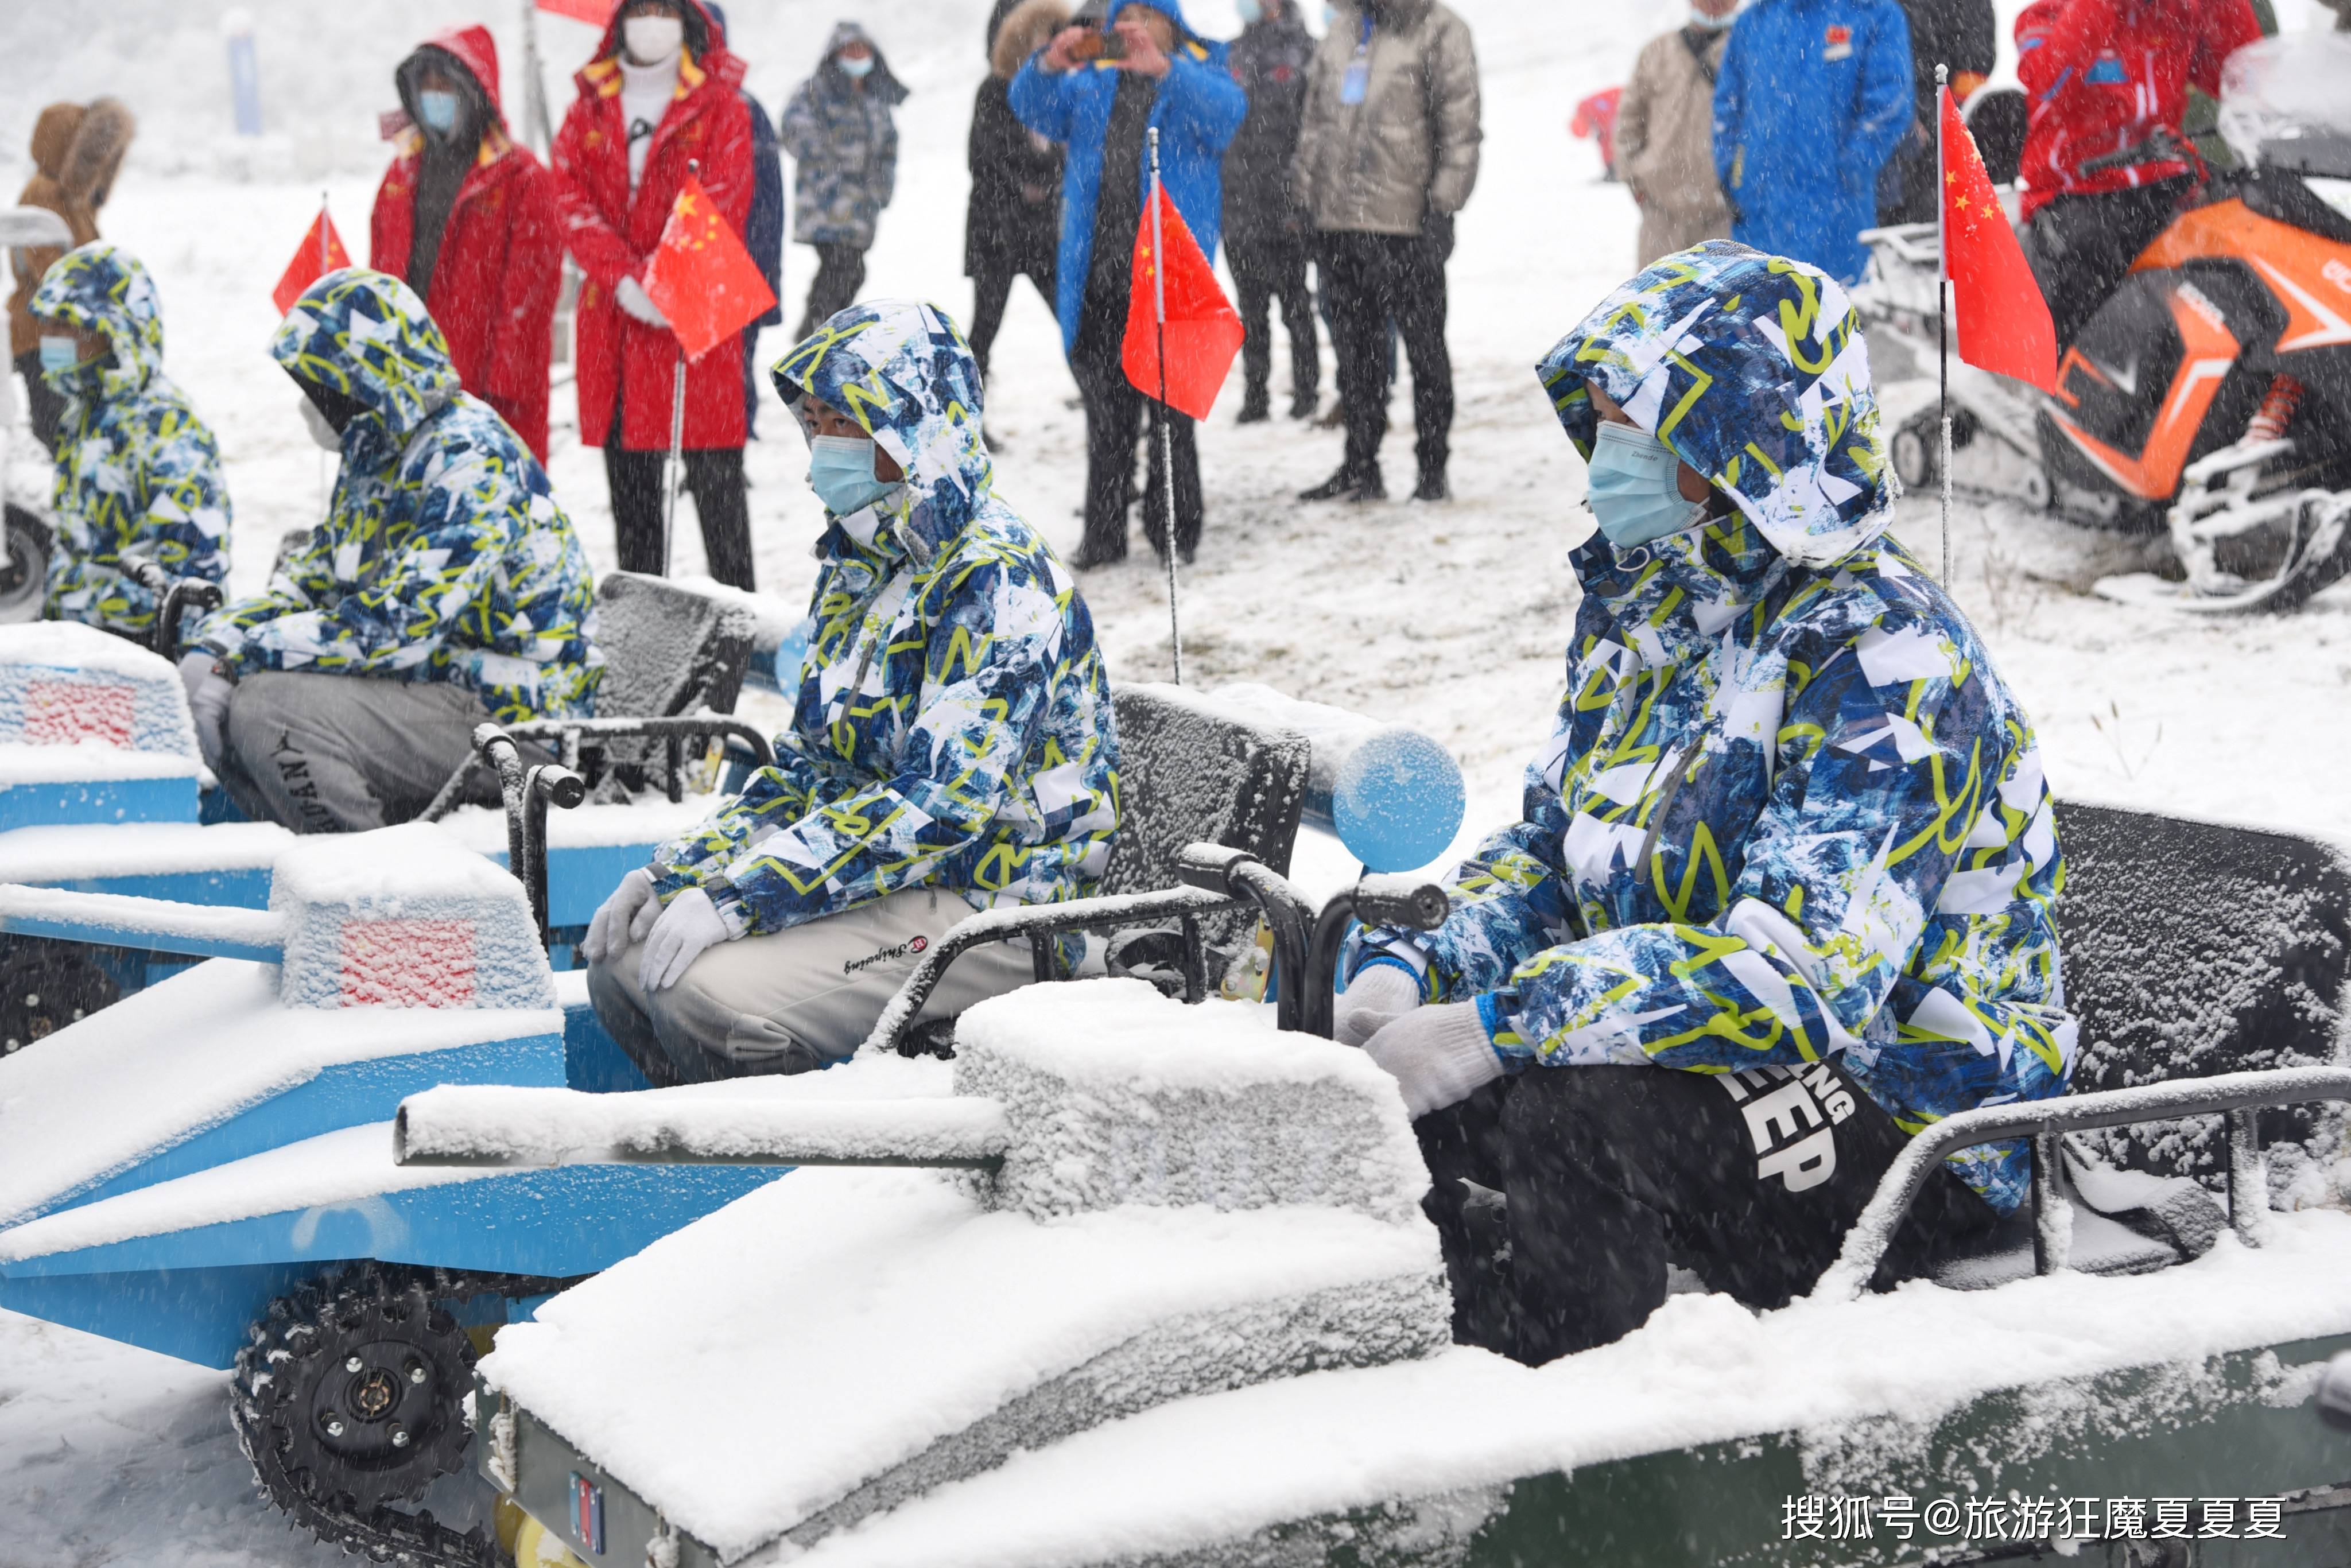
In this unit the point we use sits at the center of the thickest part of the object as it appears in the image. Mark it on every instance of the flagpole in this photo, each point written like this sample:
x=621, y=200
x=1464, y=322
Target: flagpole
x=674, y=466
x=534, y=83
x=1166, y=436
x=1943, y=312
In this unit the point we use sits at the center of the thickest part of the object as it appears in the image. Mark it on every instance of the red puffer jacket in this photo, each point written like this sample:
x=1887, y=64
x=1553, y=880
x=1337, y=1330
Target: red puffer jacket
x=2103, y=75
x=500, y=265
x=612, y=233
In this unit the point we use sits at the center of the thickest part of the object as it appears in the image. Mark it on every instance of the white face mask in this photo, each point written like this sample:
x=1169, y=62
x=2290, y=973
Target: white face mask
x=1698, y=18
x=321, y=431
x=653, y=39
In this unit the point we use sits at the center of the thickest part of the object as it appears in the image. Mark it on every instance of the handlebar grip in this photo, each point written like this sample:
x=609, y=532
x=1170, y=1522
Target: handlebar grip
x=1208, y=866
x=1401, y=900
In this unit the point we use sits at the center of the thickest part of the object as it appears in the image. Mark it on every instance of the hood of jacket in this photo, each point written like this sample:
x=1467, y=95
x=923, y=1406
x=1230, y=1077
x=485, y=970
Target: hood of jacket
x=879, y=82
x=1753, y=369
x=902, y=370
x=81, y=147
x=103, y=288
x=476, y=53
x=1171, y=9
x=706, y=54
x=1026, y=29
x=367, y=335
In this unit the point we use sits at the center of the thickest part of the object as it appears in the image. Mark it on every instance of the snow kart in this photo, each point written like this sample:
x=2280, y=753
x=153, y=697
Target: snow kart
x=2211, y=396
x=1089, y=1343
x=25, y=535
x=674, y=663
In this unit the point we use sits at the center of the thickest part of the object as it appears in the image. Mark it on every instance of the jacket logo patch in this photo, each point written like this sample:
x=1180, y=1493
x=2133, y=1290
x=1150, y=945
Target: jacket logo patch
x=2107, y=70
x=1840, y=43
x=912, y=945
x=1793, y=1126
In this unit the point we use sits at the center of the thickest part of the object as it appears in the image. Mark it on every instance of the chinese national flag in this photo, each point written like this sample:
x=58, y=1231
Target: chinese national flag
x=596, y=12
x=321, y=253
x=1203, y=333
x=2004, y=323
x=702, y=278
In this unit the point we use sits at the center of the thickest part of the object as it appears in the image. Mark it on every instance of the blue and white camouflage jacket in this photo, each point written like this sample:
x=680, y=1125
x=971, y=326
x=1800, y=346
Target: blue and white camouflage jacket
x=954, y=726
x=444, y=556
x=137, y=469
x=1790, y=810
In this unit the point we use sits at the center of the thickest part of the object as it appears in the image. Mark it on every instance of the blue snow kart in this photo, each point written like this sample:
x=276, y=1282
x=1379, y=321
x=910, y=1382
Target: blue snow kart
x=676, y=663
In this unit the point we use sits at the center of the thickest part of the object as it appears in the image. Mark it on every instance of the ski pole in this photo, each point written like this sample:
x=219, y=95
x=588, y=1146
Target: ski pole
x=1943, y=319
x=1166, y=432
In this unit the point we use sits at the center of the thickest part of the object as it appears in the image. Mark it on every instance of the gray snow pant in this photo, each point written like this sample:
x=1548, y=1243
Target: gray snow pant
x=795, y=1000
x=341, y=754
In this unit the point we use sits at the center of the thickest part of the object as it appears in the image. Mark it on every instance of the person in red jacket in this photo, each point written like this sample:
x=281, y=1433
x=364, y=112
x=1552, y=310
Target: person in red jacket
x=467, y=218
x=2105, y=166
x=660, y=94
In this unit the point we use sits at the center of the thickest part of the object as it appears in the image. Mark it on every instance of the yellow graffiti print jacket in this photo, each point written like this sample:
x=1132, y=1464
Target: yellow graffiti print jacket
x=1789, y=811
x=953, y=726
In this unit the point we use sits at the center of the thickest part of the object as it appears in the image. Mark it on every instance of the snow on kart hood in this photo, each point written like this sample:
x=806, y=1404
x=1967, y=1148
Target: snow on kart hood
x=103, y=288
x=1753, y=367
x=901, y=369
x=367, y=335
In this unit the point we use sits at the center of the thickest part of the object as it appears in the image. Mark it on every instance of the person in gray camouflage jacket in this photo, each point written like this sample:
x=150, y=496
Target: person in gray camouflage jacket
x=838, y=130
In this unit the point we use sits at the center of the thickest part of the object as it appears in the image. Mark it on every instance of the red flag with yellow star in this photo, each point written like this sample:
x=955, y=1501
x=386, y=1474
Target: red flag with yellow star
x=1202, y=332
x=701, y=277
x=2004, y=323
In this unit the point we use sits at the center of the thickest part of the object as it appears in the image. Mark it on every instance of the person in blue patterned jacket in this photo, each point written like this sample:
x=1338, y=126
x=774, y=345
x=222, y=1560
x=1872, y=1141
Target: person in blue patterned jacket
x=137, y=469
x=1782, y=895
x=952, y=746
x=444, y=587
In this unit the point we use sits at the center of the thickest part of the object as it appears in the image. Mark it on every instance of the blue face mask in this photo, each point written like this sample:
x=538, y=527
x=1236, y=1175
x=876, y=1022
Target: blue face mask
x=855, y=68
x=1633, y=487
x=1251, y=12
x=841, y=471
x=438, y=109
x=59, y=354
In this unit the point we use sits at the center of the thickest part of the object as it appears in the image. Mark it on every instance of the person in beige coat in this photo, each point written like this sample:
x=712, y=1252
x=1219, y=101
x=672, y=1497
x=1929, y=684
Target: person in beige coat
x=1664, y=134
x=77, y=152
x=1388, y=153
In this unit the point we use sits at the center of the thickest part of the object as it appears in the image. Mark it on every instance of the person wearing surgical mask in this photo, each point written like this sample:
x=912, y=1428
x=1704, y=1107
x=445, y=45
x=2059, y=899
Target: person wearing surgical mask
x=467, y=217
x=1782, y=889
x=660, y=103
x=952, y=747
x=842, y=130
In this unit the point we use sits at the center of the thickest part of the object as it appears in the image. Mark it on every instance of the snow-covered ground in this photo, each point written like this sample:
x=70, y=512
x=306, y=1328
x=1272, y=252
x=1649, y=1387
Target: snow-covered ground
x=1452, y=617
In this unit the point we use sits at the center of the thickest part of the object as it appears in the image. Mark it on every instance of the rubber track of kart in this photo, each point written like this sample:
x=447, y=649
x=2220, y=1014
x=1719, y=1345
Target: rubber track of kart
x=383, y=1534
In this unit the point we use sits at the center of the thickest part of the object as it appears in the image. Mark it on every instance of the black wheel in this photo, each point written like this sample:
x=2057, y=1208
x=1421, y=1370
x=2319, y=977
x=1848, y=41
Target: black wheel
x=45, y=985
x=1914, y=456
x=350, y=1398
x=24, y=575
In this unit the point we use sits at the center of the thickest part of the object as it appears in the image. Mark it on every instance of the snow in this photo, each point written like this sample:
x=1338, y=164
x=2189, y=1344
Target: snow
x=902, y=1327
x=1218, y=1466
x=406, y=916
x=1117, y=1094
x=138, y=849
x=142, y=917
x=650, y=819
x=90, y=761
x=564, y=1126
x=348, y=1165
x=183, y=1055
x=67, y=686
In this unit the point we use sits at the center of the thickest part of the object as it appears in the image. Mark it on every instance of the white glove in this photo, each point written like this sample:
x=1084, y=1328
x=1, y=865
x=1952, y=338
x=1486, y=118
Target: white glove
x=630, y=295
x=685, y=928
x=209, y=705
x=1438, y=1056
x=622, y=920
x=1376, y=997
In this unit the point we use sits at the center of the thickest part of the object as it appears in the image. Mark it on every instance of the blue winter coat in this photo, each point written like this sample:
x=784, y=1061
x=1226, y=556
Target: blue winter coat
x=1789, y=812
x=1199, y=108
x=1813, y=98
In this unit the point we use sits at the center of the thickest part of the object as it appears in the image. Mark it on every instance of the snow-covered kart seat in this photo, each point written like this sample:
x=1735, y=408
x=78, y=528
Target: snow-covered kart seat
x=1191, y=776
x=2200, y=959
x=671, y=654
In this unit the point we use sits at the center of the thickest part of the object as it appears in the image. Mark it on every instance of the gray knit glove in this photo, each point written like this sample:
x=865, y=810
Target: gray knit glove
x=1438, y=1056
x=1374, y=998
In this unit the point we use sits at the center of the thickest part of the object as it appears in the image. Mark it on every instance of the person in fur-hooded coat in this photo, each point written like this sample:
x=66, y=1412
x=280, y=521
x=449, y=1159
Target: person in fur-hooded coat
x=77, y=149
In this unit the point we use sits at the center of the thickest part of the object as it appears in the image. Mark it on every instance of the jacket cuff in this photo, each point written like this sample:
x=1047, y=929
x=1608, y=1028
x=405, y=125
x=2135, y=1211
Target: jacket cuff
x=733, y=910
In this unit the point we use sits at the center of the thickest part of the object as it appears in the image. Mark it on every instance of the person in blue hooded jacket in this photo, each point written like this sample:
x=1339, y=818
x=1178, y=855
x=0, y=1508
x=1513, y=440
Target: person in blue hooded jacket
x=952, y=747
x=1781, y=895
x=1813, y=98
x=1098, y=91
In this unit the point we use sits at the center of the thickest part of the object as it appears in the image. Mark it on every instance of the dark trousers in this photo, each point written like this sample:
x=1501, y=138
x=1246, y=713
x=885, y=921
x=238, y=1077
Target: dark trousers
x=1113, y=411
x=991, y=292
x=1263, y=272
x=1369, y=278
x=1561, y=1194
x=839, y=274
x=714, y=475
x=2081, y=247
x=43, y=404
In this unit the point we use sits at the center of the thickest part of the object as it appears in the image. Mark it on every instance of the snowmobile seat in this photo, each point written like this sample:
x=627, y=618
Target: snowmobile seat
x=1192, y=777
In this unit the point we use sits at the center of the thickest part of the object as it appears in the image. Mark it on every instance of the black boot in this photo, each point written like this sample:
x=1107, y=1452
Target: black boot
x=1304, y=404
x=1345, y=486
x=1432, y=486
x=1257, y=407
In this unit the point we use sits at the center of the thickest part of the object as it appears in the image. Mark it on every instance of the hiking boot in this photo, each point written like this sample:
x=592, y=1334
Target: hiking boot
x=1256, y=408
x=1303, y=406
x=1345, y=486
x=1432, y=487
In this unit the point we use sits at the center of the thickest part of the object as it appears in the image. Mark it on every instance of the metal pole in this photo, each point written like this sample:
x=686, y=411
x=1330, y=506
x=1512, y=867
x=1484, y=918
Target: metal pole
x=323, y=253
x=1167, y=434
x=1943, y=315
x=674, y=467
x=534, y=83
